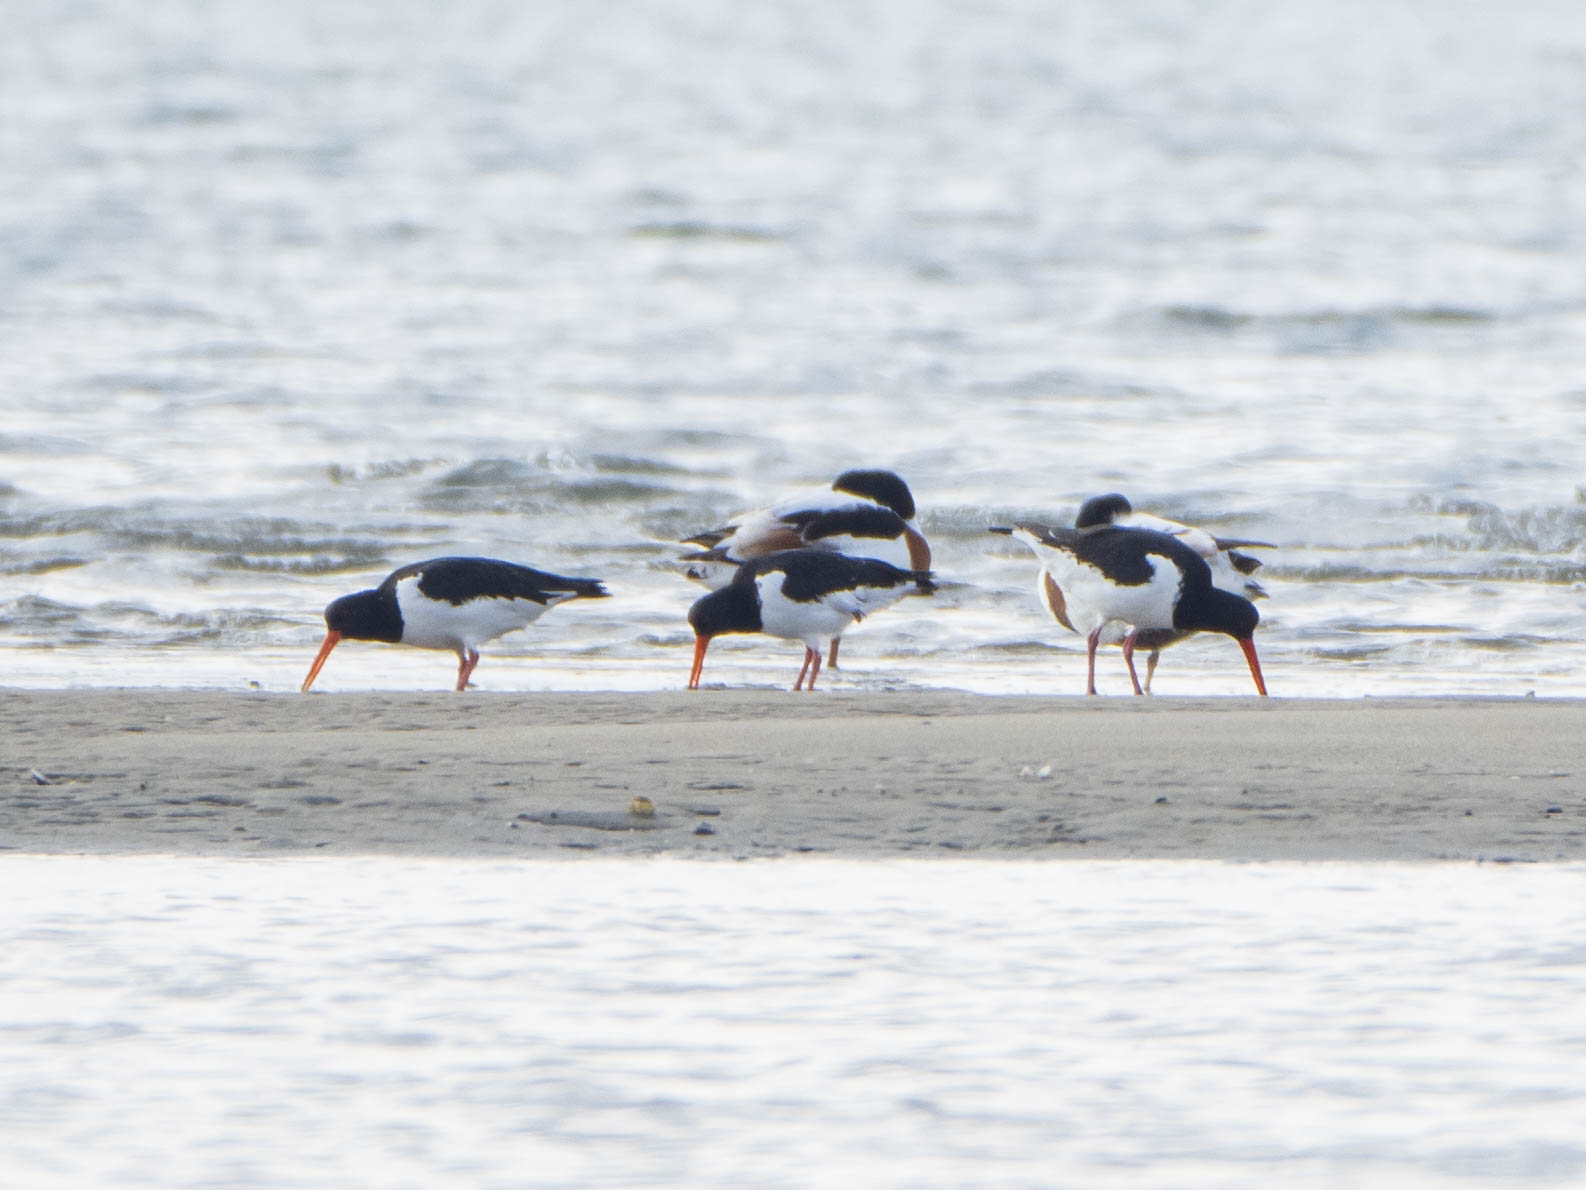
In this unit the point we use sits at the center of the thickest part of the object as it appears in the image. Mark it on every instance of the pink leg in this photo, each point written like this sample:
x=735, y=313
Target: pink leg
x=1128, y=659
x=465, y=667
x=815, y=667
x=1091, y=642
x=831, y=660
x=803, y=669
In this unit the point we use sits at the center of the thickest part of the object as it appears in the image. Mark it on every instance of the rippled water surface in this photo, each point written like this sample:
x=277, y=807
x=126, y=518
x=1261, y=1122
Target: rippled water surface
x=290, y=297
x=395, y=1023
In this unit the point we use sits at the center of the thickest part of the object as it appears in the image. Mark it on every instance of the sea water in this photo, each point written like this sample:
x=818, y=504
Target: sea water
x=292, y=295
x=394, y=1023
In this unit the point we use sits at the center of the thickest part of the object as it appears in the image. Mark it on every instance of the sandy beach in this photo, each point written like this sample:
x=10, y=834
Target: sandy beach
x=740, y=774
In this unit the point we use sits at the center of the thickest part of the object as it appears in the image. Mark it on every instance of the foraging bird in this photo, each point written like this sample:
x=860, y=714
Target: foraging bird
x=804, y=595
x=867, y=513
x=1231, y=567
x=449, y=603
x=1150, y=585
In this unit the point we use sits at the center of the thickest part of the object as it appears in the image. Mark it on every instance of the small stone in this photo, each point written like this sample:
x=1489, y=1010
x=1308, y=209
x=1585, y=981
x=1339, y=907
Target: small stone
x=1027, y=772
x=1044, y=773
x=641, y=807
x=704, y=828
x=1161, y=801
x=37, y=777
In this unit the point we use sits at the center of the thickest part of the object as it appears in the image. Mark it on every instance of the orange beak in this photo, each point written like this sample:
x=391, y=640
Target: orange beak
x=331, y=639
x=1248, y=644
x=701, y=643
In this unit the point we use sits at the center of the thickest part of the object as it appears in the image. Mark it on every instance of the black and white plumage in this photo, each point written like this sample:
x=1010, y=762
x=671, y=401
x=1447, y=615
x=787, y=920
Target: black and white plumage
x=804, y=595
x=866, y=513
x=449, y=603
x=1149, y=587
x=1231, y=566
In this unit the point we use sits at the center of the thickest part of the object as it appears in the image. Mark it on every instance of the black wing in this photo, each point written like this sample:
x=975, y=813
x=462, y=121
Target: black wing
x=457, y=580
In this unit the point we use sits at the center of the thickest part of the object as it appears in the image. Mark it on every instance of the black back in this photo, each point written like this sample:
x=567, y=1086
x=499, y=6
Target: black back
x=457, y=580
x=884, y=487
x=808, y=575
x=858, y=520
x=1124, y=556
x=811, y=574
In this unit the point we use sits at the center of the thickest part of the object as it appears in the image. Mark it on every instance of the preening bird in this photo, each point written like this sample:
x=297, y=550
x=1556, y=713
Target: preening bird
x=867, y=513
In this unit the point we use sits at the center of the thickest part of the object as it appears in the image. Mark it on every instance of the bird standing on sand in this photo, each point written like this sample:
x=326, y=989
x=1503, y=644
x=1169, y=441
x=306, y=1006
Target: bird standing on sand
x=867, y=513
x=1149, y=584
x=449, y=603
x=804, y=595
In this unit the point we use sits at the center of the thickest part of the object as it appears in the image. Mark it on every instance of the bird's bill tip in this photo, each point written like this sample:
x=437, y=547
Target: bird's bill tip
x=701, y=643
x=331, y=639
x=1248, y=644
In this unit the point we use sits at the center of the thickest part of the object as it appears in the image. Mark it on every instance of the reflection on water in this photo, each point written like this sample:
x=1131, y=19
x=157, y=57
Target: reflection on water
x=394, y=1022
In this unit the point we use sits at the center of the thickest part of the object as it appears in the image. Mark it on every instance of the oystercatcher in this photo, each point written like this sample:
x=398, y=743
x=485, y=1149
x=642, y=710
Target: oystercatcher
x=1231, y=566
x=867, y=513
x=1232, y=569
x=1147, y=585
x=449, y=603
x=804, y=595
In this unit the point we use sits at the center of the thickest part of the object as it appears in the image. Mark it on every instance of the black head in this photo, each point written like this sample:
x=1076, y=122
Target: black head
x=884, y=487
x=1215, y=610
x=1102, y=510
x=734, y=608
x=366, y=615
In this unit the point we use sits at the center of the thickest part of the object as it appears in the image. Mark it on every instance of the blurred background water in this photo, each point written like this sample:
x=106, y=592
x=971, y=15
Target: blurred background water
x=392, y=1023
x=291, y=294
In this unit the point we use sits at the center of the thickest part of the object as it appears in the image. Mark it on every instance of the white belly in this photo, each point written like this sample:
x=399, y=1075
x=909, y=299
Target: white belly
x=427, y=624
x=815, y=623
x=1093, y=601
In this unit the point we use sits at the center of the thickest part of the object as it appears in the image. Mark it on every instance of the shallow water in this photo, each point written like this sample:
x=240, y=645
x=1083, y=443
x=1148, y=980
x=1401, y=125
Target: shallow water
x=402, y=1023
x=288, y=302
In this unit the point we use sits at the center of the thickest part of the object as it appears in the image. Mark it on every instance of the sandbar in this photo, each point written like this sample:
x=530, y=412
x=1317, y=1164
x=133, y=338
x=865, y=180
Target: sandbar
x=739, y=774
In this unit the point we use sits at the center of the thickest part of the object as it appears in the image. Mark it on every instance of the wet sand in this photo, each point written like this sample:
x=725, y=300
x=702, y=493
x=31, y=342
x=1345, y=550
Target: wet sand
x=741, y=774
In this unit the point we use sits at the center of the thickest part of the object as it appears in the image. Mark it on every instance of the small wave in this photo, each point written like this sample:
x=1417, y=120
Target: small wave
x=54, y=623
x=262, y=543
x=314, y=565
x=340, y=473
x=1556, y=530
x=699, y=229
x=1322, y=331
x=42, y=565
x=1221, y=318
x=494, y=485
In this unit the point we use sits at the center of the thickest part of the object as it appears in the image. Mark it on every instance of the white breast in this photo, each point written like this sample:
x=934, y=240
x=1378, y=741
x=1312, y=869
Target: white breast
x=815, y=623
x=429, y=624
x=1094, y=600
